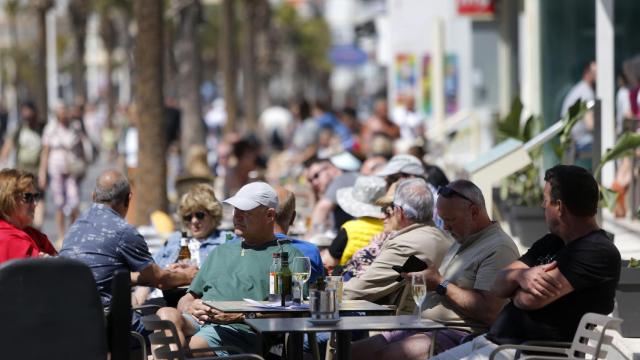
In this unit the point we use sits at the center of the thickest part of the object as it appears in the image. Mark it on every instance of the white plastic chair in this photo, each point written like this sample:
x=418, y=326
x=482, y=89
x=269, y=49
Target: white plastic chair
x=587, y=343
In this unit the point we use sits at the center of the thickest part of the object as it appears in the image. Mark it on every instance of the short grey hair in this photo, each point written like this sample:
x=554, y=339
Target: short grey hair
x=470, y=190
x=118, y=192
x=415, y=198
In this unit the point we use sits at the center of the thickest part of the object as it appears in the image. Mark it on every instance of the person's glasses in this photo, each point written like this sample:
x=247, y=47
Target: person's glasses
x=387, y=210
x=448, y=192
x=31, y=197
x=198, y=214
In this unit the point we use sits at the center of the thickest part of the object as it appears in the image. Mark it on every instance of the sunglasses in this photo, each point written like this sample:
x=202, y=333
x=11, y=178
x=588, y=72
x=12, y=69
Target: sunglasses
x=198, y=214
x=387, y=210
x=448, y=192
x=31, y=197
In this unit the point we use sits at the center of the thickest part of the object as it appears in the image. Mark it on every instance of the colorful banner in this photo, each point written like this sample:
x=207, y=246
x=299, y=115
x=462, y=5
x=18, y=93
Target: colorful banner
x=451, y=83
x=405, y=77
x=426, y=85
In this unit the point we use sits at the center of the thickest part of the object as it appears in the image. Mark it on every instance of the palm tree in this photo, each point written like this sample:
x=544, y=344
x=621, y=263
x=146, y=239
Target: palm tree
x=41, y=7
x=229, y=65
x=78, y=13
x=188, y=14
x=249, y=73
x=11, y=8
x=151, y=175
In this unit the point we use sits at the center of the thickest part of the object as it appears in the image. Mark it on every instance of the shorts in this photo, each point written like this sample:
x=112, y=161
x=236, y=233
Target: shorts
x=238, y=335
x=66, y=194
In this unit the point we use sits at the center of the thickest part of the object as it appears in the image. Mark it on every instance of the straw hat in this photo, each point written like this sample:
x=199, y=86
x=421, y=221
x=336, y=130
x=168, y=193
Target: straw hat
x=359, y=200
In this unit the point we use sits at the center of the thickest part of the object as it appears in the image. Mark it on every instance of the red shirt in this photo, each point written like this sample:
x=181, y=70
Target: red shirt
x=17, y=244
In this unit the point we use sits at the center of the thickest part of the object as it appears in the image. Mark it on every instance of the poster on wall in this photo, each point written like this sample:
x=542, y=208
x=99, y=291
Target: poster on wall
x=426, y=85
x=406, y=76
x=451, y=83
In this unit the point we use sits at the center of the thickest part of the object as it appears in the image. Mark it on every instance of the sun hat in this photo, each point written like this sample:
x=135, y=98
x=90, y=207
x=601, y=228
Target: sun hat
x=253, y=195
x=403, y=163
x=359, y=200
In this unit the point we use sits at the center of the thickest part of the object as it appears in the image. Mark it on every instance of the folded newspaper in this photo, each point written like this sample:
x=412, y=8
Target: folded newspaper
x=276, y=304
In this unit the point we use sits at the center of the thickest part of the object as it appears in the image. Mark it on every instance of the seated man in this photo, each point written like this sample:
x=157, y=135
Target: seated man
x=102, y=239
x=459, y=291
x=285, y=215
x=411, y=219
x=233, y=271
x=571, y=271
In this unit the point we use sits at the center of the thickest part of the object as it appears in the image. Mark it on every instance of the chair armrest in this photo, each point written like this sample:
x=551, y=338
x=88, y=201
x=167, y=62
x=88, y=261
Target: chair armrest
x=146, y=309
x=230, y=349
x=527, y=348
x=558, y=344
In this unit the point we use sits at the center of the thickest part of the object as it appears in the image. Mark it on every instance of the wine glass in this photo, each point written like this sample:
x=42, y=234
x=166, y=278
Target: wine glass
x=301, y=271
x=419, y=291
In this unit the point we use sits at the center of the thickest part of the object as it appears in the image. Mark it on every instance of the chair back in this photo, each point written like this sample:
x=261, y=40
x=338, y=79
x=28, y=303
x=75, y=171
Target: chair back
x=119, y=316
x=164, y=335
x=50, y=310
x=591, y=336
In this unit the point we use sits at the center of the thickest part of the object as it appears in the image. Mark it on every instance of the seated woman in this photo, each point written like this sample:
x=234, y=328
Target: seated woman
x=201, y=213
x=18, y=199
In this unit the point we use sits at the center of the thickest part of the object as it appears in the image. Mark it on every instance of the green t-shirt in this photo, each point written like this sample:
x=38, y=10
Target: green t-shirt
x=234, y=271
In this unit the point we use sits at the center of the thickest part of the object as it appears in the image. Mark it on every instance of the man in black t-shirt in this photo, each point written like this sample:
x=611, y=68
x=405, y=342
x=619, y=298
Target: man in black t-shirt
x=571, y=271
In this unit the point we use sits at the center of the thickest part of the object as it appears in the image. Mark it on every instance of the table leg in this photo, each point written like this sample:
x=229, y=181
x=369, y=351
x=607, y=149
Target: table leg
x=343, y=345
x=294, y=346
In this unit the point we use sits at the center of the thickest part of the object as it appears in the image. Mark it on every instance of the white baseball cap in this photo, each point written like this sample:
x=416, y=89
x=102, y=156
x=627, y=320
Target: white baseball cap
x=253, y=195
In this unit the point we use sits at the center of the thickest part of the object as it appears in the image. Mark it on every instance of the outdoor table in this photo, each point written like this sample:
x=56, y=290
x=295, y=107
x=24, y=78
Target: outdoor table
x=364, y=306
x=296, y=327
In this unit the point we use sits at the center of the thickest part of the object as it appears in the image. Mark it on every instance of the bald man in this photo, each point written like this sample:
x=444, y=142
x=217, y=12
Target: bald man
x=105, y=242
x=285, y=215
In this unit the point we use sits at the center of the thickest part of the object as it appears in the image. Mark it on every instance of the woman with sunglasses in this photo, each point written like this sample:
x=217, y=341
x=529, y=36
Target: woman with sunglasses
x=201, y=213
x=18, y=199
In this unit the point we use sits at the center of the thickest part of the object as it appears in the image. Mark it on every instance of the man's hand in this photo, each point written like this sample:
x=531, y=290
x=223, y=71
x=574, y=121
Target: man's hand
x=538, y=282
x=189, y=270
x=220, y=317
x=202, y=312
x=432, y=277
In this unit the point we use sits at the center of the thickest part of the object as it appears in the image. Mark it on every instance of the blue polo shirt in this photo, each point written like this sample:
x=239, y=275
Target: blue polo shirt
x=309, y=250
x=105, y=242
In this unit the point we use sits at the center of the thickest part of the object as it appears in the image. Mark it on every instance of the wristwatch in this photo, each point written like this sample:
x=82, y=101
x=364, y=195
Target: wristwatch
x=441, y=289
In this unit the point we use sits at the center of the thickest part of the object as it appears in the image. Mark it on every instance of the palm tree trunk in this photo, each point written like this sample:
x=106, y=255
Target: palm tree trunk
x=79, y=11
x=249, y=64
x=188, y=57
x=229, y=65
x=41, y=8
x=151, y=178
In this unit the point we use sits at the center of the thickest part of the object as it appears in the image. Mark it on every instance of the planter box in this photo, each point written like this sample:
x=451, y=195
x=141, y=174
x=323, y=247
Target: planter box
x=527, y=223
x=628, y=300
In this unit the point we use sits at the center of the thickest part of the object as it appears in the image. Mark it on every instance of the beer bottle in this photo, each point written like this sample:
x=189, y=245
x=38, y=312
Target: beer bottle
x=184, y=255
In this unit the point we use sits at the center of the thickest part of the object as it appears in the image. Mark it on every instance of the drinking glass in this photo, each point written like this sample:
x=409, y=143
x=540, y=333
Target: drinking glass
x=301, y=272
x=419, y=291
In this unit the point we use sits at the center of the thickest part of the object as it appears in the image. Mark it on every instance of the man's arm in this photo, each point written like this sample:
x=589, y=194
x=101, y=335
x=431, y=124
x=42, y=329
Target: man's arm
x=556, y=286
x=154, y=276
x=506, y=282
x=321, y=212
x=480, y=305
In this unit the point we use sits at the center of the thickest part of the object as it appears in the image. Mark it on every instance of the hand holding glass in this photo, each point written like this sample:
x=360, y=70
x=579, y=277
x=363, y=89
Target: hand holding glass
x=419, y=291
x=301, y=273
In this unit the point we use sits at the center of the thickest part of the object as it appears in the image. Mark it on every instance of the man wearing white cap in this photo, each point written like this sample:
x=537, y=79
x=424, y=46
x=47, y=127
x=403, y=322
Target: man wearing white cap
x=233, y=271
x=402, y=166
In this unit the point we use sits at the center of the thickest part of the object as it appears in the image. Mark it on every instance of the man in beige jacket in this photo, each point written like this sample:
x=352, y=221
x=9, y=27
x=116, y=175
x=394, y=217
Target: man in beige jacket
x=410, y=216
x=459, y=290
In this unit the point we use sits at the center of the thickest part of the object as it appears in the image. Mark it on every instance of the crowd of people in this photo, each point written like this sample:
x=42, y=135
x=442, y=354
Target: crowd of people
x=356, y=200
